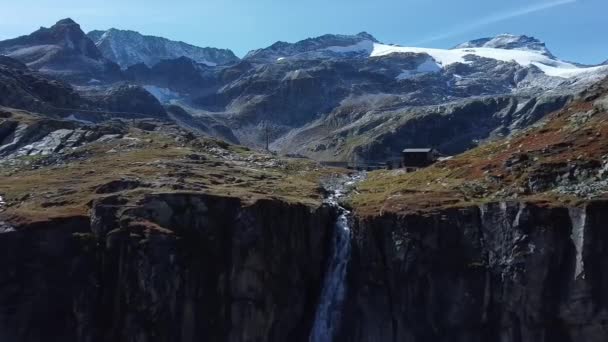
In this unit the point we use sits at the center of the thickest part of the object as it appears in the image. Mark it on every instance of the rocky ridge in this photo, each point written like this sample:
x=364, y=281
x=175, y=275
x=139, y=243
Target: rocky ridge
x=127, y=48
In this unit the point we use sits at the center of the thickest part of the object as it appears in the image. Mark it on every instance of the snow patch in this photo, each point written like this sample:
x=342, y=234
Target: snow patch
x=162, y=94
x=207, y=63
x=428, y=66
x=72, y=117
x=362, y=46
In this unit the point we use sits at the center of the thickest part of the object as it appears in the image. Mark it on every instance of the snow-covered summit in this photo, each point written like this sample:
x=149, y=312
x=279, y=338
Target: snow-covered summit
x=549, y=65
x=508, y=42
x=127, y=48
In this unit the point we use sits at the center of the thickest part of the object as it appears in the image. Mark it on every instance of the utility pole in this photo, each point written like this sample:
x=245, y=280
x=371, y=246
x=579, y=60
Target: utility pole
x=267, y=132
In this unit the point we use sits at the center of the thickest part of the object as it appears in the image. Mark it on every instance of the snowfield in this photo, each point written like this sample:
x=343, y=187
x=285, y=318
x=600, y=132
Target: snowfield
x=428, y=66
x=444, y=57
x=163, y=95
x=551, y=67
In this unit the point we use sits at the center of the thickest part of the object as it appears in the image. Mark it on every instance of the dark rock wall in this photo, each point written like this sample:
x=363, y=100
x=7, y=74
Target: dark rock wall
x=505, y=272
x=176, y=267
x=186, y=267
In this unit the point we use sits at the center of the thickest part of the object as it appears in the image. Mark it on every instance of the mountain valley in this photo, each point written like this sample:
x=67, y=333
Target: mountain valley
x=152, y=190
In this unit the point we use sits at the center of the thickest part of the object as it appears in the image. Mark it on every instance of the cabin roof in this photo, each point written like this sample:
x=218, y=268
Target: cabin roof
x=417, y=150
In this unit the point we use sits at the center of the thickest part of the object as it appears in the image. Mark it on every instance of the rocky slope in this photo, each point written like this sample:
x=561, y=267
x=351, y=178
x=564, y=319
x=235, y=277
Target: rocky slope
x=351, y=97
x=62, y=51
x=29, y=90
x=22, y=88
x=181, y=76
x=128, y=48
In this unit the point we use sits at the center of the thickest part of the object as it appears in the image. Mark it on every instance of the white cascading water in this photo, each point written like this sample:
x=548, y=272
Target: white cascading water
x=329, y=310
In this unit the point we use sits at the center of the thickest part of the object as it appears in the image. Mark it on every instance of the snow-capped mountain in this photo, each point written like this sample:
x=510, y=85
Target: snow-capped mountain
x=549, y=65
x=508, y=42
x=334, y=97
x=526, y=51
x=129, y=47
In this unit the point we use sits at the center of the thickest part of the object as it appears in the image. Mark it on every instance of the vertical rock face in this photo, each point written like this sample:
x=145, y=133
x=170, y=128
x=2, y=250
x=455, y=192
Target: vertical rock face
x=500, y=272
x=176, y=267
x=191, y=267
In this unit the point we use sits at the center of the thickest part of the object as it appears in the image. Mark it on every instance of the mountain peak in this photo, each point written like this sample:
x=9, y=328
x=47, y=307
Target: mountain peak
x=66, y=21
x=366, y=35
x=509, y=42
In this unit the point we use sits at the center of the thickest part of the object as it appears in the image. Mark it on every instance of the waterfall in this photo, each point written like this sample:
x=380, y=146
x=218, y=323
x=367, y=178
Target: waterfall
x=329, y=309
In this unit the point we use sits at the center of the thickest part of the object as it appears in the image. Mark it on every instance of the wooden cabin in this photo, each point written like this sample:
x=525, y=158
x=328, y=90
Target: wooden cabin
x=413, y=159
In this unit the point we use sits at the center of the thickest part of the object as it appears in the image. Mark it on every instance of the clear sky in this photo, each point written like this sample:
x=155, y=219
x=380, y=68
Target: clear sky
x=575, y=30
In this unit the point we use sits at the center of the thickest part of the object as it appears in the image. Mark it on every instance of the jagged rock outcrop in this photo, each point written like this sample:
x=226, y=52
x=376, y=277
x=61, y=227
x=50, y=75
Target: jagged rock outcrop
x=128, y=48
x=499, y=272
x=175, y=267
x=52, y=138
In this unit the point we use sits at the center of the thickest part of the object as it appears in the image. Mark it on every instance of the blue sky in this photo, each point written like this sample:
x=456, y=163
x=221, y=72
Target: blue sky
x=573, y=29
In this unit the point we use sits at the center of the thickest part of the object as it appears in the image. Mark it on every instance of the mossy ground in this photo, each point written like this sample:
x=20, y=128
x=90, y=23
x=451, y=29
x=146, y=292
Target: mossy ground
x=161, y=164
x=573, y=136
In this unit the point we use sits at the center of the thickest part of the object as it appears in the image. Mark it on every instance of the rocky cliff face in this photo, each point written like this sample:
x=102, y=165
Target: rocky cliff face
x=173, y=267
x=505, y=271
x=184, y=267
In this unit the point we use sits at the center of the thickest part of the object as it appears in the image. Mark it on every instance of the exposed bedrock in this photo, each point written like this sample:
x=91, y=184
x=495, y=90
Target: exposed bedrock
x=174, y=267
x=507, y=272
